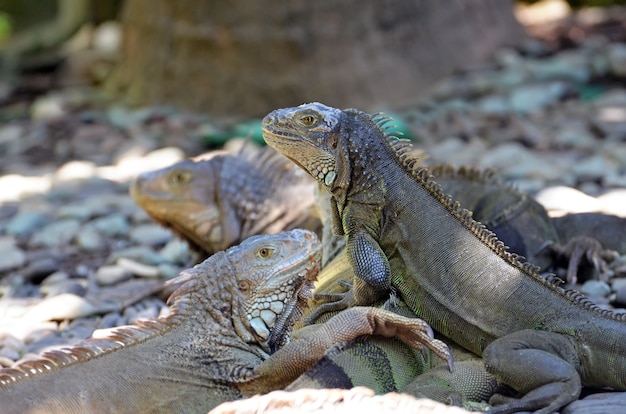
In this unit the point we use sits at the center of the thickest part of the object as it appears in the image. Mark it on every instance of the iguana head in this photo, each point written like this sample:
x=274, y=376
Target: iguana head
x=309, y=135
x=274, y=281
x=182, y=197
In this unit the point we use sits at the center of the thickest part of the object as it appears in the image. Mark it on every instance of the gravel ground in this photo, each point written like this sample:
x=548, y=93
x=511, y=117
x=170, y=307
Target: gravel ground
x=77, y=255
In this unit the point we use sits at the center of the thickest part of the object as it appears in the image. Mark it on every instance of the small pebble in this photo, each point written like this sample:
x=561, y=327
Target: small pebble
x=110, y=275
x=57, y=233
x=150, y=235
x=138, y=269
x=595, y=288
x=114, y=225
x=89, y=239
x=26, y=222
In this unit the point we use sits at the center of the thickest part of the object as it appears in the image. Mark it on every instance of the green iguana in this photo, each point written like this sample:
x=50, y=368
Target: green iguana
x=227, y=337
x=218, y=201
x=405, y=235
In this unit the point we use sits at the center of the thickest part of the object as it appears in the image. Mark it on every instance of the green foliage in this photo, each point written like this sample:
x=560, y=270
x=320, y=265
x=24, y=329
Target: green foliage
x=6, y=28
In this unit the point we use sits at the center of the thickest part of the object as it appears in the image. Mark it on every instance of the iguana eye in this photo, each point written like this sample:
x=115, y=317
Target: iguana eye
x=180, y=177
x=308, y=120
x=265, y=252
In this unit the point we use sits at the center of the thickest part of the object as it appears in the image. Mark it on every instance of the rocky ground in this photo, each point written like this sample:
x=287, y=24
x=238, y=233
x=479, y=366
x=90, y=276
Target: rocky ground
x=77, y=255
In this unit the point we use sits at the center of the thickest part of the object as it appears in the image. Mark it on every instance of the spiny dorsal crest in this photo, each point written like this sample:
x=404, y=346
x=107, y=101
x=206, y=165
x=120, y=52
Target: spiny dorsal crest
x=90, y=348
x=403, y=150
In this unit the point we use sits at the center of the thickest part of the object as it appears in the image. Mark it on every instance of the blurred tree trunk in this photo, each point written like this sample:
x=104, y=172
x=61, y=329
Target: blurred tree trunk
x=242, y=57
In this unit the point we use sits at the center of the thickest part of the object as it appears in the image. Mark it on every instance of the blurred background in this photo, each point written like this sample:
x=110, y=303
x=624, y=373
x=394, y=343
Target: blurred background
x=242, y=58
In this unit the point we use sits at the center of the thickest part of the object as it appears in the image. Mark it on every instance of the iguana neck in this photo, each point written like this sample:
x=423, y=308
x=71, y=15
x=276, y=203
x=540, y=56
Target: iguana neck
x=365, y=153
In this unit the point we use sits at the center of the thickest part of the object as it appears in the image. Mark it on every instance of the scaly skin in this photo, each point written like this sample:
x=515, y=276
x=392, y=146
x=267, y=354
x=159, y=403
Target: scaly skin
x=218, y=201
x=403, y=233
x=227, y=337
x=583, y=244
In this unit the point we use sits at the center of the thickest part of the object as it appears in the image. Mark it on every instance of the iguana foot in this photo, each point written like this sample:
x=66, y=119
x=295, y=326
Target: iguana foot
x=414, y=332
x=538, y=366
x=583, y=255
x=332, y=302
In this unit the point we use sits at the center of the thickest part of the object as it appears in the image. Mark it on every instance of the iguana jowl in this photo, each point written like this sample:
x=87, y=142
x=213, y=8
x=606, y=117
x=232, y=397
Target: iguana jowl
x=228, y=315
x=403, y=232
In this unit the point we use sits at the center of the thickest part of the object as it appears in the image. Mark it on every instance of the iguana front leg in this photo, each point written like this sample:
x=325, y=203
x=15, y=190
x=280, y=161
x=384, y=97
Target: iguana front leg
x=295, y=358
x=371, y=281
x=538, y=364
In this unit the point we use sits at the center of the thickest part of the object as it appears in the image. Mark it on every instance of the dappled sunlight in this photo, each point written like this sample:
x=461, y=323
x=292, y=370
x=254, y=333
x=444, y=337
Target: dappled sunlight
x=612, y=114
x=16, y=187
x=561, y=200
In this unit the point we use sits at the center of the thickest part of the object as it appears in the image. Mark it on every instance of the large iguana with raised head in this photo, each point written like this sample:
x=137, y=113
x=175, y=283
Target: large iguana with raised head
x=404, y=235
x=227, y=337
x=218, y=200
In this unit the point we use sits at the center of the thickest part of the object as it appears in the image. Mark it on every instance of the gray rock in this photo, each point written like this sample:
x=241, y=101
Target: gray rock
x=617, y=59
x=140, y=254
x=57, y=233
x=527, y=99
x=80, y=212
x=72, y=286
x=595, y=288
x=110, y=275
x=176, y=251
x=25, y=223
x=620, y=295
x=493, y=105
x=11, y=256
x=169, y=271
x=569, y=65
x=114, y=225
x=601, y=403
x=112, y=319
x=594, y=168
x=150, y=235
x=574, y=136
x=506, y=156
x=60, y=307
x=138, y=269
x=89, y=239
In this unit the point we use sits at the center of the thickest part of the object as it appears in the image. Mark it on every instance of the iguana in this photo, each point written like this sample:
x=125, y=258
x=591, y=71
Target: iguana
x=405, y=235
x=226, y=337
x=217, y=201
